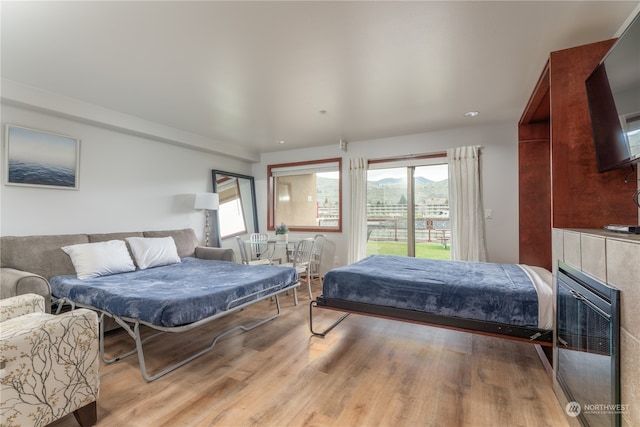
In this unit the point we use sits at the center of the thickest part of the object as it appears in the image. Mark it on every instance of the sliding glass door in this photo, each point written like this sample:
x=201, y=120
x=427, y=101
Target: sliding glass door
x=408, y=209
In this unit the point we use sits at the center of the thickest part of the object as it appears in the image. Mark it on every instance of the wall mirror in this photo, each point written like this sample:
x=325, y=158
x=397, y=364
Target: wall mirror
x=237, y=213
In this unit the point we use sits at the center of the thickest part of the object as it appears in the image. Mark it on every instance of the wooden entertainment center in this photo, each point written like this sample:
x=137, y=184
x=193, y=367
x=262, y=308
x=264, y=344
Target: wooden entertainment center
x=561, y=193
x=559, y=183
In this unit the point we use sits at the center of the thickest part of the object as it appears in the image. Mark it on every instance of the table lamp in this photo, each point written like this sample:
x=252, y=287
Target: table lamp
x=207, y=202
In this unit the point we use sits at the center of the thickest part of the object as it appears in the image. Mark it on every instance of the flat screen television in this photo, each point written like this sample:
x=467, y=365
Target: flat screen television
x=613, y=94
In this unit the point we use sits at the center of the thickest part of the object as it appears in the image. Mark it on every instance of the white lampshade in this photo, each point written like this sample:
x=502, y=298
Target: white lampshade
x=208, y=201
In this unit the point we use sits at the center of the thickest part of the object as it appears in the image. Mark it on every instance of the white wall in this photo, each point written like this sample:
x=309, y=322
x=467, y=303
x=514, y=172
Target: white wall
x=132, y=183
x=499, y=166
x=127, y=183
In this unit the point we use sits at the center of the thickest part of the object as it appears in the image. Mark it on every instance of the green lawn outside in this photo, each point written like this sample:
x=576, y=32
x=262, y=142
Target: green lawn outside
x=423, y=250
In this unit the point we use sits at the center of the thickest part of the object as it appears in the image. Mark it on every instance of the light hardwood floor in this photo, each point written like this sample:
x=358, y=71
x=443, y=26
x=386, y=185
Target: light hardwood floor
x=366, y=372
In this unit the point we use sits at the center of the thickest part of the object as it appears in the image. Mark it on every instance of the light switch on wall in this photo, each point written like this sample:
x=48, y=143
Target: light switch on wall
x=488, y=213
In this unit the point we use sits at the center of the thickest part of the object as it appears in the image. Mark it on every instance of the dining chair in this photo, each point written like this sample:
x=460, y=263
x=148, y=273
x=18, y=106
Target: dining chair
x=259, y=244
x=301, y=261
x=244, y=257
x=316, y=256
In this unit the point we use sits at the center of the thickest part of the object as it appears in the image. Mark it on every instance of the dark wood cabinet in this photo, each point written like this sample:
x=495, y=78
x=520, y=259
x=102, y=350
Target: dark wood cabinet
x=559, y=183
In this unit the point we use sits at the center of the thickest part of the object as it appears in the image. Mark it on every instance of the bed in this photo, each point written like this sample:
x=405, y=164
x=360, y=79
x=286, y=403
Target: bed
x=175, y=298
x=508, y=300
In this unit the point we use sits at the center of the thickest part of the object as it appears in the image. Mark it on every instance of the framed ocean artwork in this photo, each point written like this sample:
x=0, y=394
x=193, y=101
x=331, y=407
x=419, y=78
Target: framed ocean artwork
x=36, y=158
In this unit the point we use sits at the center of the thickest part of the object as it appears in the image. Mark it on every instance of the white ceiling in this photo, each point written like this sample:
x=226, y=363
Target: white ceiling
x=253, y=73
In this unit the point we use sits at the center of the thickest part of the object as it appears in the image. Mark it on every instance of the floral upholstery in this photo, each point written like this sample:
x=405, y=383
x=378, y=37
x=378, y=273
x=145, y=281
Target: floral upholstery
x=19, y=306
x=49, y=365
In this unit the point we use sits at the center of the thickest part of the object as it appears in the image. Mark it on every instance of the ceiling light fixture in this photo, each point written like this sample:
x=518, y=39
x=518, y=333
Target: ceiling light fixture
x=281, y=142
x=471, y=114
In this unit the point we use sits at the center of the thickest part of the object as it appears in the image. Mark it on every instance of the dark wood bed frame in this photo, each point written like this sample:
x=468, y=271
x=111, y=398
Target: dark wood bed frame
x=541, y=337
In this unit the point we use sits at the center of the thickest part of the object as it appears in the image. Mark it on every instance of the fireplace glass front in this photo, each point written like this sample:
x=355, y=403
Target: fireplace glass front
x=588, y=342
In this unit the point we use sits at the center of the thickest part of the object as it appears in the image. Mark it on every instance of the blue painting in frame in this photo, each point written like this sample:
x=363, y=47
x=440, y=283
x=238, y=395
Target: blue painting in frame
x=41, y=159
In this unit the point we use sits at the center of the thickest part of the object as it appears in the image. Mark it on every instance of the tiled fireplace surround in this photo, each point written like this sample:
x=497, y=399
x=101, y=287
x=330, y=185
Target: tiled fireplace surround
x=614, y=259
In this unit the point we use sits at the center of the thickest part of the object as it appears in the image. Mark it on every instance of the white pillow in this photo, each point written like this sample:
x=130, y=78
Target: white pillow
x=153, y=251
x=100, y=259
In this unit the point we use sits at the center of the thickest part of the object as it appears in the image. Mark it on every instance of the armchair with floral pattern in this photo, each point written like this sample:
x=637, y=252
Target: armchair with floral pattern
x=49, y=364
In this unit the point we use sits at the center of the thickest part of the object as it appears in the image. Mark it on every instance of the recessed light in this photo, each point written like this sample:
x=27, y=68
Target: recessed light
x=281, y=142
x=471, y=114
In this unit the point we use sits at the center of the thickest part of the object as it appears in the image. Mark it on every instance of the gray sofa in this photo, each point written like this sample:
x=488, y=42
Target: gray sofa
x=28, y=262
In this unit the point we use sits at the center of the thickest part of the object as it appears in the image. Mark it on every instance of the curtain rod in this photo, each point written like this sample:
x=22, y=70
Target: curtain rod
x=410, y=156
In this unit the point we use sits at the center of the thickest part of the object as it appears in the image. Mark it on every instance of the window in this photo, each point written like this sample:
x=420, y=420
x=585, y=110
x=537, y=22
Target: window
x=306, y=196
x=408, y=207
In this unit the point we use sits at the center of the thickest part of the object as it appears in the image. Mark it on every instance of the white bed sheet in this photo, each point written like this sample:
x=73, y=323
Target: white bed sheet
x=542, y=280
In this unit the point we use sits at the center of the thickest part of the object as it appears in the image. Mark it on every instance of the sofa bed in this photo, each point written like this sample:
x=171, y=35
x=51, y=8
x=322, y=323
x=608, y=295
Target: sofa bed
x=157, y=279
x=28, y=262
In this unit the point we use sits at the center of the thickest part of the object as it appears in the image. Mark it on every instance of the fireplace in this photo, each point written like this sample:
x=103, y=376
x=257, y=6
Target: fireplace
x=588, y=347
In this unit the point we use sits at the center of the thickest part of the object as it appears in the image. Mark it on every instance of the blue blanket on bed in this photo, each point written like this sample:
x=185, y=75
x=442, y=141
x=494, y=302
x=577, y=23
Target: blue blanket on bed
x=501, y=293
x=176, y=294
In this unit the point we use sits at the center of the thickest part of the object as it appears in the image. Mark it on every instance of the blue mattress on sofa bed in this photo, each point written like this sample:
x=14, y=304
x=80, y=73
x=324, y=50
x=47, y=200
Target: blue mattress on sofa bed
x=173, y=295
x=501, y=293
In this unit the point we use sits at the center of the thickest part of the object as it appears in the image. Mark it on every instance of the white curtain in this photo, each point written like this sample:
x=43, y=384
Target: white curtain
x=465, y=204
x=358, y=220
